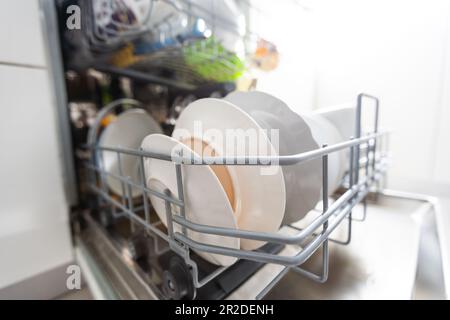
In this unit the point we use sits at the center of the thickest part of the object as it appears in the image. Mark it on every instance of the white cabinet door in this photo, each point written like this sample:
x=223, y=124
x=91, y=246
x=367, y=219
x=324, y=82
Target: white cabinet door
x=21, y=39
x=34, y=226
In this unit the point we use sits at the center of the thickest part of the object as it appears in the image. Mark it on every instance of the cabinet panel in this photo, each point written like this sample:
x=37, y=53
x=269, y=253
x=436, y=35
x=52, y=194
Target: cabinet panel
x=34, y=232
x=20, y=33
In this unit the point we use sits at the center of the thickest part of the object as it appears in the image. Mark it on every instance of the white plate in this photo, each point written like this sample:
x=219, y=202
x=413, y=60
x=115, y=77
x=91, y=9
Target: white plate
x=127, y=131
x=342, y=117
x=325, y=133
x=303, y=181
x=206, y=201
x=260, y=195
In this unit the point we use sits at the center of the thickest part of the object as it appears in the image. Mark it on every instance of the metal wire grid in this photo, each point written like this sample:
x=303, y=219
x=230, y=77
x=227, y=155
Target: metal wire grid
x=105, y=38
x=311, y=238
x=173, y=58
x=169, y=59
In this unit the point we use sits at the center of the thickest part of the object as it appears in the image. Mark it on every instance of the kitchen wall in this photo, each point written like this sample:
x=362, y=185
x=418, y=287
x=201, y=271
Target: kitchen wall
x=290, y=26
x=398, y=51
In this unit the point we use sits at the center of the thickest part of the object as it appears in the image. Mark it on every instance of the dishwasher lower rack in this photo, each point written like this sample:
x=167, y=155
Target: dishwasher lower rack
x=183, y=277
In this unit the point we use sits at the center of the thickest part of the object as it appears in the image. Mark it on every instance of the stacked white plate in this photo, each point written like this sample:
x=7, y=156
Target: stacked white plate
x=342, y=117
x=206, y=199
x=303, y=181
x=325, y=133
x=255, y=197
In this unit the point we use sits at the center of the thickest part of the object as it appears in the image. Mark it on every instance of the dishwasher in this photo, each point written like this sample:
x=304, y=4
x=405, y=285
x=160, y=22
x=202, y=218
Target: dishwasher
x=345, y=248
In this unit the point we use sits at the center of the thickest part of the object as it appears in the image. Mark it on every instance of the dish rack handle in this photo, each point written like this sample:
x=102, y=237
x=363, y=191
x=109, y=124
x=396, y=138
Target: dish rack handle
x=358, y=127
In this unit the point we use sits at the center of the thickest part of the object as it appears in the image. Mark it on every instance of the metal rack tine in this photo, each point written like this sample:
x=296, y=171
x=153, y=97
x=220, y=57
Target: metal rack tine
x=103, y=184
x=366, y=168
x=122, y=183
x=348, y=239
x=169, y=215
x=130, y=204
x=323, y=276
x=358, y=123
x=143, y=184
x=180, y=188
x=102, y=175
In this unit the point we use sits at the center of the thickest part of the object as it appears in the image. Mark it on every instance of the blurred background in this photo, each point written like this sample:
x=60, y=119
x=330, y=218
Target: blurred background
x=310, y=53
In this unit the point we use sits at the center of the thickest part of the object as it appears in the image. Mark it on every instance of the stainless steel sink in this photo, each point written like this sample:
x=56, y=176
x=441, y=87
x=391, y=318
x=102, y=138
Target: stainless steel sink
x=394, y=254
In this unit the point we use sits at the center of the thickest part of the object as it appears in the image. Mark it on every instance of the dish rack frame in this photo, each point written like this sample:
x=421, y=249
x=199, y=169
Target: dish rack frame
x=102, y=42
x=315, y=235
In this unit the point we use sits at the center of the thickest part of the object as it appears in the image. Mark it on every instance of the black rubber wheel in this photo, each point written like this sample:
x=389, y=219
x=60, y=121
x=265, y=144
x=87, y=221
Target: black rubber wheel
x=177, y=281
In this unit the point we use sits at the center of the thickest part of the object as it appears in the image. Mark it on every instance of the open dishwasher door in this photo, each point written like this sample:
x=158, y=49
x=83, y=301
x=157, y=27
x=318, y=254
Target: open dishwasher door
x=396, y=253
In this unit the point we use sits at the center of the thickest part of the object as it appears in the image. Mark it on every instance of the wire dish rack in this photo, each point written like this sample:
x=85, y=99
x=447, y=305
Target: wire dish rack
x=367, y=165
x=181, y=43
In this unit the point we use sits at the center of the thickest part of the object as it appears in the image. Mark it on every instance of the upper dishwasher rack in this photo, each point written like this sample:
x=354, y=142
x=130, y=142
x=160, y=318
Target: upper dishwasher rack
x=367, y=165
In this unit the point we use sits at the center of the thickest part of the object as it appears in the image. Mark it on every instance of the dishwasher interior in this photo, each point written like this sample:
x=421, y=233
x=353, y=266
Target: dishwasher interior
x=362, y=242
x=369, y=267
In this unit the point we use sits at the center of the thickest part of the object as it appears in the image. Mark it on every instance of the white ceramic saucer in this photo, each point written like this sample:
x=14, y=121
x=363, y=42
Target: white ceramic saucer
x=303, y=181
x=206, y=201
x=127, y=131
x=259, y=192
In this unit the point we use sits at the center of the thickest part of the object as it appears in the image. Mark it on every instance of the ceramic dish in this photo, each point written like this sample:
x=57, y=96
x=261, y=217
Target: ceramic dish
x=259, y=192
x=303, y=181
x=199, y=182
x=127, y=131
x=325, y=133
x=342, y=117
